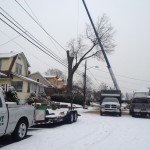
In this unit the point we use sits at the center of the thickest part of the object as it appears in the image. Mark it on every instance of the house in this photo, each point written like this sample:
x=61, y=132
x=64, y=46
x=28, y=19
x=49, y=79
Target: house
x=37, y=76
x=16, y=68
x=58, y=85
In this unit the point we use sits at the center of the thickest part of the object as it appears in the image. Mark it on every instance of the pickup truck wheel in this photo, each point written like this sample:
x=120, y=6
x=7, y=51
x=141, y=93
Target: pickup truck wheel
x=20, y=131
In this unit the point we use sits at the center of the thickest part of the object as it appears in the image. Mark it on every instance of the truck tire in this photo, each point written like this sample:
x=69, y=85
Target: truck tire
x=120, y=114
x=133, y=114
x=20, y=131
x=101, y=113
x=75, y=117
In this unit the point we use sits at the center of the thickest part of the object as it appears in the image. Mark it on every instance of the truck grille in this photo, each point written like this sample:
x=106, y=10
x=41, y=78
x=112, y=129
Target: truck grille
x=110, y=106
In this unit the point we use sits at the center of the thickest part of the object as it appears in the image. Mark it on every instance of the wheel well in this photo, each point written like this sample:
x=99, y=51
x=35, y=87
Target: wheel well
x=24, y=118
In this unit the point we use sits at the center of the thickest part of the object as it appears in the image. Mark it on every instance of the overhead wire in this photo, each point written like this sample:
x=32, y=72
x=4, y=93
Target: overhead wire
x=33, y=38
x=39, y=23
x=30, y=41
x=29, y=33
x=41, y=26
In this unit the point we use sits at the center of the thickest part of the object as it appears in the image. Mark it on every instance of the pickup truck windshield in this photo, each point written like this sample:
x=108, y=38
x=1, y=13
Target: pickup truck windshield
x=141, y=100
x=110, y=100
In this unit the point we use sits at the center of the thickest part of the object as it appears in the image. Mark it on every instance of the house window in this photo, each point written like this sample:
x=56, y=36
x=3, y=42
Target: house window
x=17, y=85
x=38, y=80
x=18, y=68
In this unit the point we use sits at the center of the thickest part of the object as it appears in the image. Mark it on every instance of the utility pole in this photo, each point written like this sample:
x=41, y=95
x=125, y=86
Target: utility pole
x=84, y=88
x=102, y=49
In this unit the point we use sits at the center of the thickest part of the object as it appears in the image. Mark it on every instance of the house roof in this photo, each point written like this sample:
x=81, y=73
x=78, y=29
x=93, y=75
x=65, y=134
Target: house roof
x=41, y=76
x=8, y=55
x=29, y=79
x=13, y=54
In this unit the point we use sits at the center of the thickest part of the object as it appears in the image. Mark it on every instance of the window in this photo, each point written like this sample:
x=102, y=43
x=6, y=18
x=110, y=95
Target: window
x=110, y=100
x=18, y=68
x=17, y=85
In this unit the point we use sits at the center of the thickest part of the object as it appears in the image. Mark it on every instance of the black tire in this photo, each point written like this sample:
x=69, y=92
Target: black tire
x=75, y=117
x=70, y=118
x=101, y=113
x=133, y=114
x=20, y=131
x=120, y=114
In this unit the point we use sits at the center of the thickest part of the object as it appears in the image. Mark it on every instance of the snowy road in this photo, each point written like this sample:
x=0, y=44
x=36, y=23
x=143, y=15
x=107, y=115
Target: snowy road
x=90, y=132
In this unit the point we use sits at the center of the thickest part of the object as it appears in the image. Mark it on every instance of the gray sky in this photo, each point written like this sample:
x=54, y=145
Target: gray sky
x=65, y=19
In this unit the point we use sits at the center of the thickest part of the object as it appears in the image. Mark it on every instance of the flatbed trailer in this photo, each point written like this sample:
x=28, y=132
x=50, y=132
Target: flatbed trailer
x=43, y=115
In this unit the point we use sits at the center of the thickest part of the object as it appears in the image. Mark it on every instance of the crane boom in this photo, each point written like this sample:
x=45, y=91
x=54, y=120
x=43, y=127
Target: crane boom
x=102, y=49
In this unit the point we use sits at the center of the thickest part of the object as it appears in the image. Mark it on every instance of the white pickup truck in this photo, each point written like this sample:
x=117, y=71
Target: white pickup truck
x=15, y=119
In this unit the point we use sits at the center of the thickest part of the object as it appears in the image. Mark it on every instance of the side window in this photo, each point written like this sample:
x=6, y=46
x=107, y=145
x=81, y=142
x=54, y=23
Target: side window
x=0, y=102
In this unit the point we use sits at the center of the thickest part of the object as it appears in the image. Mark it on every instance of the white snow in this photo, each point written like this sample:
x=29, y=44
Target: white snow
x=90, y=132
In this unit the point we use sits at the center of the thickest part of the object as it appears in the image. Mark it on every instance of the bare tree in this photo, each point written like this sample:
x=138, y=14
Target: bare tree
x=86, y=46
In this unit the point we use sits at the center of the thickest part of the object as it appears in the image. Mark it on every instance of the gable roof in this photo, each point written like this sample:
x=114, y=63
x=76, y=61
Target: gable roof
x=8, y=55
x=13, y=54
x=29, y=79
x=42, y=77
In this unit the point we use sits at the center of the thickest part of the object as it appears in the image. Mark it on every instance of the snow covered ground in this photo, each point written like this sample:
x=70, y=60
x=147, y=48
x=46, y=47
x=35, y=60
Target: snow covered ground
x=90, y=132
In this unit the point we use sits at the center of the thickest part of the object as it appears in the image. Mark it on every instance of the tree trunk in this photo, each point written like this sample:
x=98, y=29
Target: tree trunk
x=69, y=83
x=70, y=74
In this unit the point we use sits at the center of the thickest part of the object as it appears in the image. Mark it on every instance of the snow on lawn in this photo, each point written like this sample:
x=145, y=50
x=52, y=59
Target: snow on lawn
x=90, y=132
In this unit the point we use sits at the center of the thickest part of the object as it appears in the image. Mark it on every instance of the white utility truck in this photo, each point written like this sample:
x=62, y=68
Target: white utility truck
x=110, y=102
x=14, y=118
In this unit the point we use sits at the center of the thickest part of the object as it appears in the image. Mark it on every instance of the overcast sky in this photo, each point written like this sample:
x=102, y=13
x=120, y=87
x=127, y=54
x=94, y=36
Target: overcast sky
x=66, y=19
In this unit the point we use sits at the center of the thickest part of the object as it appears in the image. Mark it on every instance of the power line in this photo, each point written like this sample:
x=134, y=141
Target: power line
x=30, y=35
x=124, y=76
x=31, y=41
x=40, y=26
x=9, y=40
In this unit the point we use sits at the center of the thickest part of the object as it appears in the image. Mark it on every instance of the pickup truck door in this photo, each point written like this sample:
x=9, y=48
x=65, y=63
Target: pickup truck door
x=3, y=115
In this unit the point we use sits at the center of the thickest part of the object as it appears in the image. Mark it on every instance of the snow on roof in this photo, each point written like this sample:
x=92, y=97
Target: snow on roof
x=28, y=79
x=8, y=55
x=2, y=74
x=12, y=54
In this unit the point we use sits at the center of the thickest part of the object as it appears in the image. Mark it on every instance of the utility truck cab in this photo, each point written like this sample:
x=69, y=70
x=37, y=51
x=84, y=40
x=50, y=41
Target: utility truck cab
x=110, y=102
